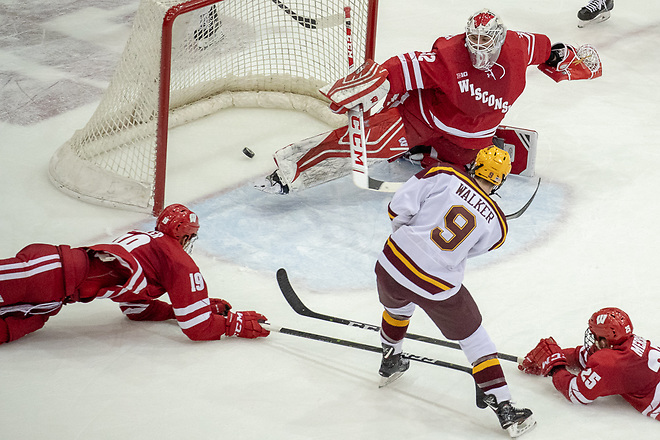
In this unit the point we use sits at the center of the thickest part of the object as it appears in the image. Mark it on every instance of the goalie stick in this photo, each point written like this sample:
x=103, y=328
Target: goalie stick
x=297, y=305
x=360, y=346
x=356, y=136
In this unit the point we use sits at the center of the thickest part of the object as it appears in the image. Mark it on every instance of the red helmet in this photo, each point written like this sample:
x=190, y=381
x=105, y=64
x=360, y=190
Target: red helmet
x=177, y=221
x=612, y=324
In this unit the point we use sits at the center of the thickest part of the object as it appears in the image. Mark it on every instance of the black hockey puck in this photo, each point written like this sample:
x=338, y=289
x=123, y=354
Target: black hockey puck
x=249, y=153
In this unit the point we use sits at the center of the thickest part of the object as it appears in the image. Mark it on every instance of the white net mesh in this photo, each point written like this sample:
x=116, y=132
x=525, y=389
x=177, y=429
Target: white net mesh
x=245, y=53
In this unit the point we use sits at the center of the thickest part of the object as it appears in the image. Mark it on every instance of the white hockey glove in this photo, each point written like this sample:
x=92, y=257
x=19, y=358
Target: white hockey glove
x=568, y=63
x=368, y=86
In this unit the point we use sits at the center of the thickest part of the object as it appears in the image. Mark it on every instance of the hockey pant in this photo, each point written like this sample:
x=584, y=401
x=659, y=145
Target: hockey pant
x=32, y=288
x=457, y=317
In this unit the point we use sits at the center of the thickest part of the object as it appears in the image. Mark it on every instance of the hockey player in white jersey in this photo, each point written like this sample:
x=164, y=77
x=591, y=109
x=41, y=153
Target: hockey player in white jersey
x=440, y=217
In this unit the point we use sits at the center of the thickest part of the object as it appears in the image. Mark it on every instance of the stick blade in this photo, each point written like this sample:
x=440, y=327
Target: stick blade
x=289, y=294
x=522, y=210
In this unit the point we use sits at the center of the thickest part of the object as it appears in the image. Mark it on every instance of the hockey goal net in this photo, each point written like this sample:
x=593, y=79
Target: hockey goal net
x=185, y=60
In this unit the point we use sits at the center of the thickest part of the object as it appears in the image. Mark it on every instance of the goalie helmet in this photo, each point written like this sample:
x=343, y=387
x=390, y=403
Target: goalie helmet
x=492, y=164
x=484, y=36
x=179, y=222
x=610, y=323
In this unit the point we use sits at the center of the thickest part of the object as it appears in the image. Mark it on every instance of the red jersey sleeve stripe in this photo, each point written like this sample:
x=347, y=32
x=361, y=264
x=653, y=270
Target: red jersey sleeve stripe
x=406, y=73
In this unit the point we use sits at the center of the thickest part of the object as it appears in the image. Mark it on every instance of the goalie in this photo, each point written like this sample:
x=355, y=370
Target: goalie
x=442, y=105
x=612, y=361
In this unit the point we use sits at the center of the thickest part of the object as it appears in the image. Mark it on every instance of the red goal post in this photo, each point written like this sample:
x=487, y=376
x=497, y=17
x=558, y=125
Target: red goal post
x=186, y=60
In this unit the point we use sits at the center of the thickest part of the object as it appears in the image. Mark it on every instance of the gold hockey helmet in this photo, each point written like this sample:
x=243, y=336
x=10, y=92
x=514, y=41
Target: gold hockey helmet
x=492, y=164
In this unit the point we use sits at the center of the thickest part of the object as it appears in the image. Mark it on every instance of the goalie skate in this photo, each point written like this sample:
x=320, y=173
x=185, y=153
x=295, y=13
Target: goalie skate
x=272, y=184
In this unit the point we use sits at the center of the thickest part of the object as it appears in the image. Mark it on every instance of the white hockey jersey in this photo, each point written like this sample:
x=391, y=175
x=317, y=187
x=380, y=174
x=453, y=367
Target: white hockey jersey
x=440, y=218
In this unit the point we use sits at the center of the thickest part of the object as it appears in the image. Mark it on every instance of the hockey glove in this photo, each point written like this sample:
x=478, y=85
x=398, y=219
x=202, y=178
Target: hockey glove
x=543, y=358
x=567, y=63
x=245, y=325
x=219, y=306
x=368, y=86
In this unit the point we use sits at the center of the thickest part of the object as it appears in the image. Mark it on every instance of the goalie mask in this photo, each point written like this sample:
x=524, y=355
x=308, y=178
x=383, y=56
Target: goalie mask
x=492, y=164
x=180, y=223
x=484, y=36
x=610, y=323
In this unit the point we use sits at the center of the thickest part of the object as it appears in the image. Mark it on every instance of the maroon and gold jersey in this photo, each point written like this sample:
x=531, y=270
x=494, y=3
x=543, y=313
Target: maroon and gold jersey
x=440, y=218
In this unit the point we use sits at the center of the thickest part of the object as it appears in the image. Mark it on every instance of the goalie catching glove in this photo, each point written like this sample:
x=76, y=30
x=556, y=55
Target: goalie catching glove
x=368, y=86
x=543, y=358
x=568, y=63
x=245, y=324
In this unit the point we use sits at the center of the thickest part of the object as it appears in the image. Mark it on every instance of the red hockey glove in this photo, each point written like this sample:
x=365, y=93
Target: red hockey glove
x=543, y=358
x=220, y=306
x=567, y=63
x=368, y=86
x=245, y=324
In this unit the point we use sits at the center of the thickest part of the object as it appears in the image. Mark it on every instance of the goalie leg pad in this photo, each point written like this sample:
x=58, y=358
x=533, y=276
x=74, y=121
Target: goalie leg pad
x=521, y=145
x=326, y=157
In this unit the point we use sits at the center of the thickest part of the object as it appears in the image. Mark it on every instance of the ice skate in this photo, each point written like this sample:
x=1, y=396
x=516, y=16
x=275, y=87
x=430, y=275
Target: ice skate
x=595, y=11
x=416, y=155
x=272, y=184
x=392, y=366
x=516, y=421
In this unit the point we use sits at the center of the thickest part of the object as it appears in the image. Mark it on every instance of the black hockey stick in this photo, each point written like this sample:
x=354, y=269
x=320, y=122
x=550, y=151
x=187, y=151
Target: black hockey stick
x=522, y=210
x=479, y=394
x=346, y=343
x=384, y=186
x=300, y=308
x=310, y=23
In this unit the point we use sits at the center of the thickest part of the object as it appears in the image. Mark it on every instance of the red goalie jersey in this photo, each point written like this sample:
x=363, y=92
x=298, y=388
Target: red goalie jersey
x=441, y=90
x=630, y=370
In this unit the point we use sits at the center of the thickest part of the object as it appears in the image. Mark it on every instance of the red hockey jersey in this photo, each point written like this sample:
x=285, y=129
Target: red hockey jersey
x=169, y=269
x=441, y=90
x=630, y=370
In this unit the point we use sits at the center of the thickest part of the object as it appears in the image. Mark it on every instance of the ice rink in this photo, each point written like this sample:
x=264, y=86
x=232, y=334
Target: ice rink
x=586, y=242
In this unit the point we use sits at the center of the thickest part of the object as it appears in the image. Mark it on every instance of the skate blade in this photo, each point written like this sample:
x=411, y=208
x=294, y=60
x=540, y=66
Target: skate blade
x=518, y=429
x=384, y=381
x=599, y=19
x=266, y=186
